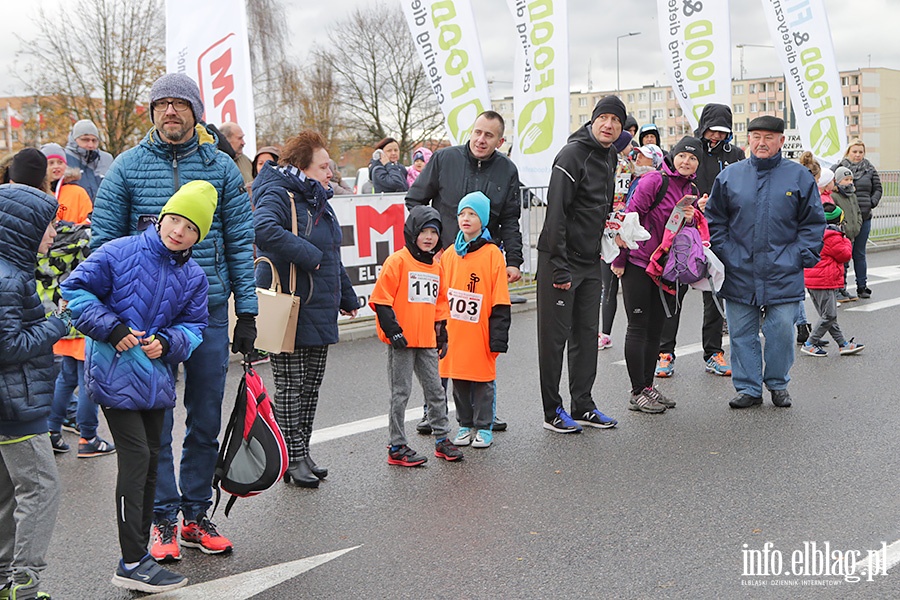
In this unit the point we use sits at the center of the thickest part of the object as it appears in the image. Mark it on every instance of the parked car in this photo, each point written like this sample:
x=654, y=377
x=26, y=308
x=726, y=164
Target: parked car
x=363, y=185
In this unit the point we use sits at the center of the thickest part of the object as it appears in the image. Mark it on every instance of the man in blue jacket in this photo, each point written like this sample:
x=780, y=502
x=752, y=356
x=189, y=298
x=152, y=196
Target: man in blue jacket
x=83, y=152
x=766, y=225
x=179, y=149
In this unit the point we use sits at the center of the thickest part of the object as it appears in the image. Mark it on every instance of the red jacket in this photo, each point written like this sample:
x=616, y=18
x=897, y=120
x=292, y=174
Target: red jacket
x=828, y=274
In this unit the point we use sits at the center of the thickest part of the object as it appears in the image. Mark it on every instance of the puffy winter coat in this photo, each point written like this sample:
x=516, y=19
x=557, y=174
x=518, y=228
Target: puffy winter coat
x=579, y=198
x=765, y=224
x=828, y=274
x=852, y=214
x=454, y=172
x=142, y=180
x=388, y=178
x=27, y=374
x=868, y=185
x=93, y=164
x=322, y=283
x=715, y=158
x=137, y=282
x=654, y=221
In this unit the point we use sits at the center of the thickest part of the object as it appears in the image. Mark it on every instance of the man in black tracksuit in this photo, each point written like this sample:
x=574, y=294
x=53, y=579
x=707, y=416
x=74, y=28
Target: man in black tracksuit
x=475, y=166
x=714, y=131
x=568, y=274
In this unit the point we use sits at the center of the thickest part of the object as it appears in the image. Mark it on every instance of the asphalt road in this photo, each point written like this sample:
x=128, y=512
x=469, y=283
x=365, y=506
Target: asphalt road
x=663, y=506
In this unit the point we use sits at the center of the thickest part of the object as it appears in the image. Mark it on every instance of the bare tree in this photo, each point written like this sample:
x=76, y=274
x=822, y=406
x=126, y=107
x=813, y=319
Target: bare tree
x=97, y=62
x=381, y=86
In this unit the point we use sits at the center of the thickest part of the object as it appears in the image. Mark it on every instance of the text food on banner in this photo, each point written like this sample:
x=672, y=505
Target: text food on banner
x=802, y=39
x=444, y=34
x=541, y=87
x=217, y=57
x=695, y=37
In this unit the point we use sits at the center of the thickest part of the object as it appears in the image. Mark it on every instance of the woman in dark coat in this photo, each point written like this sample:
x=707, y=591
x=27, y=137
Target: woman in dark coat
x=868, y=194
x=302, y=178
x=385, y=170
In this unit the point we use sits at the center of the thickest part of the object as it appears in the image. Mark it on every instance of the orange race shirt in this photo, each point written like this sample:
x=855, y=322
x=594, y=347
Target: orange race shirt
x=74, y=204
x=417, y=293
x=475, y=284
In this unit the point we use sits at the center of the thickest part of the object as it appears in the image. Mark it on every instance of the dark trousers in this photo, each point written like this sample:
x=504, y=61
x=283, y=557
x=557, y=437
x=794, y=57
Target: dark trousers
x=474, y=402
x=136, y=434
x=646, y=315
x=712, y=326
x=610, y=297
x=568, y=317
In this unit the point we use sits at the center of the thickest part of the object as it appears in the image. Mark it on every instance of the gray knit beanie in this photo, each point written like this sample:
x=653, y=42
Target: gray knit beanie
x=84, y=127
x=178, y=85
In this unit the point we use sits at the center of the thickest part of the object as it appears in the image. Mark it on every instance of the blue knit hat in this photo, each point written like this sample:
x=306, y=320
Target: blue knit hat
x=478, y=202
x=178, y=85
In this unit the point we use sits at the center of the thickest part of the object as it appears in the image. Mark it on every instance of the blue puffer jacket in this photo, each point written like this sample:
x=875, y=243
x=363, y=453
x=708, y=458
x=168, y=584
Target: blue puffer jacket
x=138, y=282
x=766, y=224
x=143, y=179
x=27, y=374
x=93, y=164
x=322, y=283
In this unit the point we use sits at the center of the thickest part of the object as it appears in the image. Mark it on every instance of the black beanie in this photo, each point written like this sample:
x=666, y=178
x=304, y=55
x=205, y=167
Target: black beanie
x=687, y=144
x=612, y=105
x=28, y=167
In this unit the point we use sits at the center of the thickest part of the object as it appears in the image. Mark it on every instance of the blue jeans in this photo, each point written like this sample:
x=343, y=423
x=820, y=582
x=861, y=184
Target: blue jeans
x=747, y=355
x=204, y=388
x=859, y=254
x=71, y=376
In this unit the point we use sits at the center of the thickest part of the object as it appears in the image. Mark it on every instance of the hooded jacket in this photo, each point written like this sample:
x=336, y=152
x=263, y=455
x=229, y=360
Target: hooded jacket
x=411, y=173
x=137, y=282
x=578, y=201
x=454, y=172
x=846, y=199
x=142, y=180
x=27, y=374
x=715, y=158
x=828, y=274
x=648, y=129
x=868, y=185
x=323, y=286
x=93, y=164
x=766, y=225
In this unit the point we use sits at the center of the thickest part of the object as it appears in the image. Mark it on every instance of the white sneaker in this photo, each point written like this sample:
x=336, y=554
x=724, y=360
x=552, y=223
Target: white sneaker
x=464, y=437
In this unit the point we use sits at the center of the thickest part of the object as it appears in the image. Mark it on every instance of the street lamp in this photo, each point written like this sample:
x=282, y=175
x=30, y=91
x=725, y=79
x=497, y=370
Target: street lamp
x=617, y=55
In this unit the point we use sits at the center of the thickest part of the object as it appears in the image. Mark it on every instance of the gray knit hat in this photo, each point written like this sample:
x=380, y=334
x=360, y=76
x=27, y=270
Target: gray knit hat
x=84, y=127
x=178, y=85
x=841, y=172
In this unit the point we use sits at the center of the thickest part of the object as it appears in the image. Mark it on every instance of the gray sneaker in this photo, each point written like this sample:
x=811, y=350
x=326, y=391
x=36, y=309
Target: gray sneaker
x=646, y=402
x=664, y=400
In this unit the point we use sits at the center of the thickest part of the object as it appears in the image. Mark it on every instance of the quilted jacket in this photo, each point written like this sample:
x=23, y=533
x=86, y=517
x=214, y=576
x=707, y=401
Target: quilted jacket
x=140, y=283
x=142, y=180
x=828, y=274
x=27, y=374
x=322, y=283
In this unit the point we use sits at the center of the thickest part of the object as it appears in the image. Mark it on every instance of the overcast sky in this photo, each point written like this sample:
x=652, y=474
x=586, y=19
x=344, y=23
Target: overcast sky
x=864, y=32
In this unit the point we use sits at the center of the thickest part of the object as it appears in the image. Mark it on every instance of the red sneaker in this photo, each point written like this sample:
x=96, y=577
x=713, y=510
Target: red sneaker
x=202, y=534
x=164, y=538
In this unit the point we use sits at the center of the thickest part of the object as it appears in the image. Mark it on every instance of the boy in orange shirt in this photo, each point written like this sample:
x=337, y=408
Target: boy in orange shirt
x=410, y=304
x=475, y=272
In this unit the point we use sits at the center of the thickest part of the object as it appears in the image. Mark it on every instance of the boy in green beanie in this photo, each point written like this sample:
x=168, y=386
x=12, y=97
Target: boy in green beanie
x=142, y=303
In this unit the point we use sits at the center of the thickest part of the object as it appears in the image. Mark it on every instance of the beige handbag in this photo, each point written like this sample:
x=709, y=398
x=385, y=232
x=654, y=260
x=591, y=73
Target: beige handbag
x=276, y=327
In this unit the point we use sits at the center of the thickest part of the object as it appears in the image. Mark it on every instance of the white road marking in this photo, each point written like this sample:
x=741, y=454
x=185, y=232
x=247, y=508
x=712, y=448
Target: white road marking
x=891, y=555
x=873, y=306
x=246, y=585
x=686, y=350
x=363, y=425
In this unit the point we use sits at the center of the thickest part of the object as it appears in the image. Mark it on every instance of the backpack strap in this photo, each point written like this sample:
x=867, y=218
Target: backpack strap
x=661, y=193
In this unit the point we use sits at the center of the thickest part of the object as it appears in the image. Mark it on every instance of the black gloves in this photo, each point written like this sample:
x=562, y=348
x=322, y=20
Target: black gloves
x=244, y=335
x=440, y=332
x=398, y=341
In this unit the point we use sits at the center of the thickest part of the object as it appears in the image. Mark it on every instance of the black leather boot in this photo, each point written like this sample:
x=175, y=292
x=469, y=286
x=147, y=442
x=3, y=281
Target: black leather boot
x=320, y=472
x=301, y=476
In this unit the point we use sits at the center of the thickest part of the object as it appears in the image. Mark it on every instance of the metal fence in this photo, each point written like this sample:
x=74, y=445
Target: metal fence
x=885, y=218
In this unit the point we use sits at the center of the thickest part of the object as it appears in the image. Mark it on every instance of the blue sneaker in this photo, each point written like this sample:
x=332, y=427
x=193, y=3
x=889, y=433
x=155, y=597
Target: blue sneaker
x=562, y=423
x=148, y=577
x=851, y=347
x=597, y=419
x=813, y=350
x=464, y=436
x=483, y=439
x=665, y=366
x=717, y=365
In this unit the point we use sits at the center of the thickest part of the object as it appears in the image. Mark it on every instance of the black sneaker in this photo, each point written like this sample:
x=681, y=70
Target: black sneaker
x=70, y=425
x=148, y=577
x=423, y=426
x=864, y=292
x=744, y=401
x=498, y=424
x=405, y=456
x=59, y=445
x=446, y=450
x=781, y=398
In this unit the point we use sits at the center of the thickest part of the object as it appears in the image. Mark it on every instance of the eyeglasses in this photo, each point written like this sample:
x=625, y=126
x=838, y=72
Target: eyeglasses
x=163, y=105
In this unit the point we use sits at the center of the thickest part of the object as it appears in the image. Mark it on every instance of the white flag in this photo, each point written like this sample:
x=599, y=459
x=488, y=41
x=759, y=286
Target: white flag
x=540, y=87
x=207, y=41
x=444, y=34
x=802, y=39
x=695, y=38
